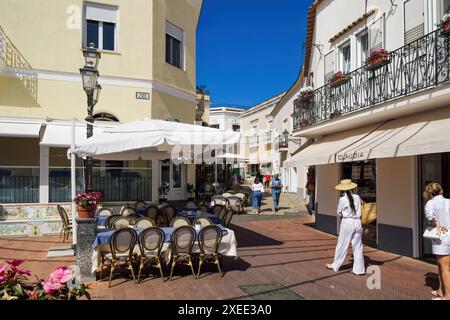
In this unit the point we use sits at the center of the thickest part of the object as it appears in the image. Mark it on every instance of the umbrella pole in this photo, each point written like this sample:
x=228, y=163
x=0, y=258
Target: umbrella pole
x=73, y=183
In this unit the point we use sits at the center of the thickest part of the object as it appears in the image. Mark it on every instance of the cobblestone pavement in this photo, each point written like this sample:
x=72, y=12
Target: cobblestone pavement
x=284, y=252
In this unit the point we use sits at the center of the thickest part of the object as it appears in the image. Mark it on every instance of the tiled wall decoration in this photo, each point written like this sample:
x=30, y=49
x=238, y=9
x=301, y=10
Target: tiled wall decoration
x=31, y=220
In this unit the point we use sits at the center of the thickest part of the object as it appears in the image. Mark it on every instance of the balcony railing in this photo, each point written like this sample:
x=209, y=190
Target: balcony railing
x=13, y=59
x=421, y=64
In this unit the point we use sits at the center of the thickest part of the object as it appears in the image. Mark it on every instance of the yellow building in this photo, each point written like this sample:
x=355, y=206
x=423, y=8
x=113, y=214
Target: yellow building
x=147, y=70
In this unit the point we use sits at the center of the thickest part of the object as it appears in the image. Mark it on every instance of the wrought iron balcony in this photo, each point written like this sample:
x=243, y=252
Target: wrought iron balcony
x=416, y=66
x=13, y=59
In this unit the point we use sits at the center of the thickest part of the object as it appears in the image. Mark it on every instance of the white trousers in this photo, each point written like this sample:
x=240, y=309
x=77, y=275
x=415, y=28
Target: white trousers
x=351, y=232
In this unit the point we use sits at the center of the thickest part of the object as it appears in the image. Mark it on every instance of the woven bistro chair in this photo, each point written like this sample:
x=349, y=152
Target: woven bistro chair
x=104, y=212
x=222, y=215
x=109, y=222
x=226, y=221
x=235, y=203
x=203, y=207
x=126, y=205
x=178, y=222
x=140, y=204
x=209, y=241
x=227, y=194
x=220, y=200
x=128, y=211
x=132, y=218
x=144, y=223
x=66, y=228
x=181, y=243
x=121, y=223
x=216, y=209
x=152, y=212
x=151, y=241
x=121, y=250
x=242, y=196
x=204, y=221
x=190, y=205
x=169, y=213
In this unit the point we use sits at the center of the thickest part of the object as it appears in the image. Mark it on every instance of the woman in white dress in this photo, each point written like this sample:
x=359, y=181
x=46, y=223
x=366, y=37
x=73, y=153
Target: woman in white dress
x=437, y=211
x=349, y=208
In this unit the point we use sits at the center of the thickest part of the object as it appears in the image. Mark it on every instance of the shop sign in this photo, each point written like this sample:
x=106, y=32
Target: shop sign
x=142, y=95
x=355, y=156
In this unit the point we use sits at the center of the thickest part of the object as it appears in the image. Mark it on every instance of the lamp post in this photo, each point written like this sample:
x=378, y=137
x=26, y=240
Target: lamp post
x=286, y=137
x=89, y=75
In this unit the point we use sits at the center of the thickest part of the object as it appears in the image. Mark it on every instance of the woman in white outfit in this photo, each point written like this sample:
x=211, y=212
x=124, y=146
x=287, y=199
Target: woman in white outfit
x=349, y=208
x=437, y=211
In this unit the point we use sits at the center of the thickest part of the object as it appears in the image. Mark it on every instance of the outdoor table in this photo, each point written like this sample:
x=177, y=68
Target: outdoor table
x=101, y=221
x=140, y=211
x=194, y=214
x=228, y=246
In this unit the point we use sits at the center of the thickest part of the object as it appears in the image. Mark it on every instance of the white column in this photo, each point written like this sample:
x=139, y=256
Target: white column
x=155, y=180
x=43, y=174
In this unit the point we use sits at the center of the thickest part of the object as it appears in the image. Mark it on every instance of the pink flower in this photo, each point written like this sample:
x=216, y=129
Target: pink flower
x=61, y=275
x=50, y=286
x=15, y=262
x=20, y=271
x=3, y=268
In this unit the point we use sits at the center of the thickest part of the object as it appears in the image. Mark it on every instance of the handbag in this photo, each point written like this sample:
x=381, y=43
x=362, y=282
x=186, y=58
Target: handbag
x=432, y=233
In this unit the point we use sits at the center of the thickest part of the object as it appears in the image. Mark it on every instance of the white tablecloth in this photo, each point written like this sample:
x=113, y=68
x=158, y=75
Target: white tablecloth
x=228, y=247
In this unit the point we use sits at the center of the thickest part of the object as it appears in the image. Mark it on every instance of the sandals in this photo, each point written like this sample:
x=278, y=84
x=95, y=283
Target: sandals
x=329, y=267
x=435, y=293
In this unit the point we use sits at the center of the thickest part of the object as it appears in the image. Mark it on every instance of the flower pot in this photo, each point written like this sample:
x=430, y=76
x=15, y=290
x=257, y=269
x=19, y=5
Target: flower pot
x=307, y=96
x=445, y=29
x=86, y=213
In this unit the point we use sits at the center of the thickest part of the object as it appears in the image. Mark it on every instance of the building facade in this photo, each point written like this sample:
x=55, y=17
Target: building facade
x=380, y=99
x=147, y=70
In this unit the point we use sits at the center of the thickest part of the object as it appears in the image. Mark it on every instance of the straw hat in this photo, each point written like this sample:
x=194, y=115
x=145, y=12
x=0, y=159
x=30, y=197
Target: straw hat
x=346, y=184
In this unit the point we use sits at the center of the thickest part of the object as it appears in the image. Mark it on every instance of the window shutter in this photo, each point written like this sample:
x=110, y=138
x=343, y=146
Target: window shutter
x=414, y=20
x=100, y=12
x=329, y=65
x=376, y=34
x=174, y=31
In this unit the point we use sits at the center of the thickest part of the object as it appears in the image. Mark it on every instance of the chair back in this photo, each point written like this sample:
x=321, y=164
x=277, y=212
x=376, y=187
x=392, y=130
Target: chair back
x=234, y=201
x=216, y=209
x=169, y=214
x=163, y=204
x=203, y=207
x=160, y=221
x=121, y=223
x=208, y=188
x=144, y=223
x=190, y=205
x=203, y=221
x=122, y=241
x=128, y=211
x=151, y=241
x=152, y=212
x=109, y=222
x=209, y=239
x=140, y=204
x=222, y=214
x=3, y=213
x=183, y=240
x=180, y=221
x=227, y=194
x=227, y=219
x=220, y=200
x=126, y=205
x=241, y=195
x=132, y=218
x=64, y=216
x=104, y=212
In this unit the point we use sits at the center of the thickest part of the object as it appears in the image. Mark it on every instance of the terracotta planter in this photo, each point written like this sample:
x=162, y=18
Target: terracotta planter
x=445, y=29
x=86, y=213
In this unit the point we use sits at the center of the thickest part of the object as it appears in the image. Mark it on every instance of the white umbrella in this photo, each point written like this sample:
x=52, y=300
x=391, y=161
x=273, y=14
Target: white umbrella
x=143, y=138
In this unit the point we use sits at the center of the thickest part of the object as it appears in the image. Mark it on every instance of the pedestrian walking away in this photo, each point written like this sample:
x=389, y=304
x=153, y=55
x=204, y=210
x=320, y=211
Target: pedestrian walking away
x=258, y=190
x=267, y=180
x=276, y=191
x=437, y=211
x=349, y=209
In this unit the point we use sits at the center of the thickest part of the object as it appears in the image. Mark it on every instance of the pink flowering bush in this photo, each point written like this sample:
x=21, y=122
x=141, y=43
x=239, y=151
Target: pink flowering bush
x=14, y=284
x=88, y=199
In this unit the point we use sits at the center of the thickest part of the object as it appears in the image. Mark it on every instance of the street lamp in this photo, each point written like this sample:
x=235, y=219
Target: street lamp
x=286, y=138
x=89, y=76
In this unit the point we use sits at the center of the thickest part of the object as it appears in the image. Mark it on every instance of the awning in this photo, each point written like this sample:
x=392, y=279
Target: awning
x=324, y=151
x=413, y=135
x=58, y=134
x=417, y=134
x=19, y=129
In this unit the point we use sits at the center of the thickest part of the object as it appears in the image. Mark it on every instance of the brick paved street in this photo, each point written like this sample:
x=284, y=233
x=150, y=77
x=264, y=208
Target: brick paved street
x=283, y=250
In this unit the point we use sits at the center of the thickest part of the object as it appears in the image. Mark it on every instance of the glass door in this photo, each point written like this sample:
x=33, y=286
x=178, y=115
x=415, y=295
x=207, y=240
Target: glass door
x=433, y=168
x=174, y=175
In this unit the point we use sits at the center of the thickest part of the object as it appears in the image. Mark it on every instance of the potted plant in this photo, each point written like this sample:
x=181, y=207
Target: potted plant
x=444, y=23
x=163, y=192
x=338, y=78
x=87, y=204
x=190, y=189
x=306, y=93
x=377, y=59
x=335, y=114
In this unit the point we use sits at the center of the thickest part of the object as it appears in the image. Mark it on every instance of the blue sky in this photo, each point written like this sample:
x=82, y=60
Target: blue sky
x=250, y=50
